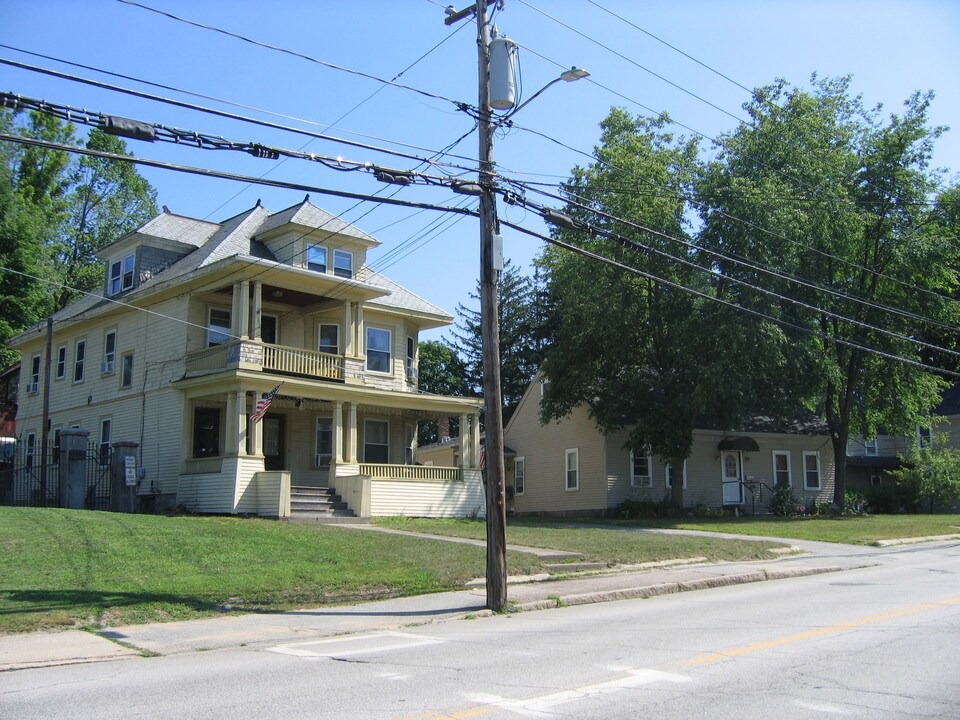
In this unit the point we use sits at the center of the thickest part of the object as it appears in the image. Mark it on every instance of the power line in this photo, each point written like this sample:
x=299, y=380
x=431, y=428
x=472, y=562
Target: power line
x=218, y=113
x=232, y=103
x=624, y=57
x=302, y=56
x=735, y=306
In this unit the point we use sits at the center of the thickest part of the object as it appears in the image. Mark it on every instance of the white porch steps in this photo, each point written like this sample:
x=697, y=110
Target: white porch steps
x=318, y=504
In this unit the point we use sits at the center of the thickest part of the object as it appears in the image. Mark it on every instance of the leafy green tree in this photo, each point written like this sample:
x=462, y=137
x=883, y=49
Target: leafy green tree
x=931, y=475
x=441, y=372
x=521, y=337
x=641, y=353
x=56, y=211
x=825, y=189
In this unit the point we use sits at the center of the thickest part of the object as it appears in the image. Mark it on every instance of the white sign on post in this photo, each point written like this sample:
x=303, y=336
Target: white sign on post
x=130, y=470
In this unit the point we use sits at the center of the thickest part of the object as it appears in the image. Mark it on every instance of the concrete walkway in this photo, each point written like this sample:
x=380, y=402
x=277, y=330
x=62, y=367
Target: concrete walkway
x=235, y=630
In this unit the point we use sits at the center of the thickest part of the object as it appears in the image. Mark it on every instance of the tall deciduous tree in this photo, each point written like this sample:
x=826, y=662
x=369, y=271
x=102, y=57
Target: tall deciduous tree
x=828, y=190
x=641, y=354
x=521, y=337
x=56, y=211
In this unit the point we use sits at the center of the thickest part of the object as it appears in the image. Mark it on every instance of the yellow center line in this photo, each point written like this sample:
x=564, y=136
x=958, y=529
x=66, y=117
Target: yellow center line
x=823, y=631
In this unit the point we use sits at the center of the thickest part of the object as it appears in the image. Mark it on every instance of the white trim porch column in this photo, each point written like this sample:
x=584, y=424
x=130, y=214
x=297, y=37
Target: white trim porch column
x=338, y=433
x=257, y=332
x=466, y=453
x=241, y=292
x=475, y=440
x=352, y=433
x=349, y=332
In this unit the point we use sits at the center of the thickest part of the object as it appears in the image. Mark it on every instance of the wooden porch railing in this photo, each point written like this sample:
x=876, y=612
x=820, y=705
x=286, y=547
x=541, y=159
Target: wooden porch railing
x=384, y=471
x=278, y=358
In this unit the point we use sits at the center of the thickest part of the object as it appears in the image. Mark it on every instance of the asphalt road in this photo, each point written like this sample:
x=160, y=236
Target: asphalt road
x=881, y=642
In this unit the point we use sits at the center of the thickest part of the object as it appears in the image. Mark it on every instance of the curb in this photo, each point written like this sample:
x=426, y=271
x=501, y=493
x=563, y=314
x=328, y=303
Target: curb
x=648, y=591
x=915, y=540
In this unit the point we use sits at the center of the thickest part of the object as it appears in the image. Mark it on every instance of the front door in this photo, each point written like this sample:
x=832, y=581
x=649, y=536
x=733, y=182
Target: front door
x=732, y=489
x=273, y=445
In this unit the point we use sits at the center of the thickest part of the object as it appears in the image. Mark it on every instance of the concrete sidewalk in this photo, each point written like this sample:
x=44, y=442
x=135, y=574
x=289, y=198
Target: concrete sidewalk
x=36, y=650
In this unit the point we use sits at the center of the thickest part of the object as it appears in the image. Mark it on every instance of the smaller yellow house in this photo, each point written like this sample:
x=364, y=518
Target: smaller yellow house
x=568, y=467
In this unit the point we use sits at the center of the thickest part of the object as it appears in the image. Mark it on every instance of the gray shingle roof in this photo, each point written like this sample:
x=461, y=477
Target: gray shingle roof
x=309, y=215
x=188, y=231
x=399, y=298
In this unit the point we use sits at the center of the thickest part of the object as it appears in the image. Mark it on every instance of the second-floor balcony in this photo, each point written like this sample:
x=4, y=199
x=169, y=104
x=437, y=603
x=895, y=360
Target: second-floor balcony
x=249, y=354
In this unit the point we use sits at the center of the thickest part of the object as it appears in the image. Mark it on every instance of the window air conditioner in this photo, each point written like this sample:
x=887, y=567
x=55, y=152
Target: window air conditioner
x=106, y=367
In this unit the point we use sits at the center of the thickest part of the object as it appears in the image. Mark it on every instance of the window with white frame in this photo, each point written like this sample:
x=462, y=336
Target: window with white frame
x=924, y=437
x=572, y=463
x=79, y=357
x=329, y=338
x=34, y=385
x=378, y=350
x=641, y=470
x=109, y=352
x=519, y=475
x=61, y=362
x=811, y=470
x=126, y=370
x=31, y=450
x=324, y=441
x=669, y=475
x=343, y=263
x=317, y=258
x=105, y=427
x=781, y=468
x=218, y=326
x=411, y=358
x=376, y=441
x=870, y=446
x=121, y=274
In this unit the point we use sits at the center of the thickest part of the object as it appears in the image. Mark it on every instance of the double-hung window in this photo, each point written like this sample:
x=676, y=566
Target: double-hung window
x=218, y=327
x=343, y=263
x=572, y=463
x=870, y=447
x=317, y=258
x=811, y=470
x=641, y=474
x=109, y=352
x=924, y=437
x=121, y=275
x=34, y=385
x=411, y=358
x=79, y=357
x=781, y=469
x=126, y=370
x=105, y=427
x=61, y=362
x=669, y=475
x=324, y=441
x=376, y=441
x=519, y=475
x=329, y=339
x=378, y=350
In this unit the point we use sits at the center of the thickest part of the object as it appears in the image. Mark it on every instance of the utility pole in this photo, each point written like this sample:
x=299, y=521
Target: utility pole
x=490, y=334
x=489, y=324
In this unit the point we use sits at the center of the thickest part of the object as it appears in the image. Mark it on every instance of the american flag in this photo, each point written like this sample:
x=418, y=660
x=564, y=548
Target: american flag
x=263, y=404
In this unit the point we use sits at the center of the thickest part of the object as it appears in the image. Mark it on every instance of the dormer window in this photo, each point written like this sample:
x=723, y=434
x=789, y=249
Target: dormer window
x=317, y=258
x=343, y=263
x=121, y=275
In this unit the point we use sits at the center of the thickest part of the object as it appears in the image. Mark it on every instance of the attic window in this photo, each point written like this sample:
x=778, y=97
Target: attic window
x=317, y=258
x=121, y=275
x=343, y=263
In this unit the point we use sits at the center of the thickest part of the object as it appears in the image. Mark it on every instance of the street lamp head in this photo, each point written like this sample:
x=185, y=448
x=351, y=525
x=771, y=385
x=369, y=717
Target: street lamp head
x=574, y=73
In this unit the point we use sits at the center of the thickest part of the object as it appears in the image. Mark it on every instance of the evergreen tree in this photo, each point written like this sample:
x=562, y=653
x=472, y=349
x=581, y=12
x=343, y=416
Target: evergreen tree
x=521, y=337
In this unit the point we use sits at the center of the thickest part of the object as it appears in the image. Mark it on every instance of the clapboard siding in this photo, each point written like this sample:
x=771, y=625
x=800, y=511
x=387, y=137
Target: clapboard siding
x=428, y=499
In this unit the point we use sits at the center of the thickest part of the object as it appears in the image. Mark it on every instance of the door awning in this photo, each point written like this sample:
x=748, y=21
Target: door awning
x=741, y=443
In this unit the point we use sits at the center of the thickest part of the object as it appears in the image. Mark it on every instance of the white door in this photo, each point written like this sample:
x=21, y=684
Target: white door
x=732, y=490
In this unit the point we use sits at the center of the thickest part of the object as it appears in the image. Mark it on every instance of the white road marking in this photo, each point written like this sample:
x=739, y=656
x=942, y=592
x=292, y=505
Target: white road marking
x=355, y=645
x=540, y=706
x=823, y=708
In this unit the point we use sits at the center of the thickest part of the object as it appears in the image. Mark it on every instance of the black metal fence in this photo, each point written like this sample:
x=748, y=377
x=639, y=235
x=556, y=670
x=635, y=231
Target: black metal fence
x=28, y=479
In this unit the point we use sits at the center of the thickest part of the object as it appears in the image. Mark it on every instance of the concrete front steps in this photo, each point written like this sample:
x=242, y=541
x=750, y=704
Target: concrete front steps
x=317, y=504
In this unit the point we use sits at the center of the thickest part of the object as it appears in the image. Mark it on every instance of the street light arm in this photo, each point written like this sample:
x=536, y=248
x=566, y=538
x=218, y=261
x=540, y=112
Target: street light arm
x=570, y=75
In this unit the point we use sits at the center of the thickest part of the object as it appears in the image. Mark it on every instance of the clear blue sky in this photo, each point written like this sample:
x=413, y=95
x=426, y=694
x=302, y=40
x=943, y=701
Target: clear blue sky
x=890, y=48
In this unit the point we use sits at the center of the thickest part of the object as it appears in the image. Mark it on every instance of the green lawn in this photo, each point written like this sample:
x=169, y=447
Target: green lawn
x=596, y=544
x=63, y=568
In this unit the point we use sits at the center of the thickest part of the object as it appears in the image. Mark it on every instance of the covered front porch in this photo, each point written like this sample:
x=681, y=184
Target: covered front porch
x=358, y=441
